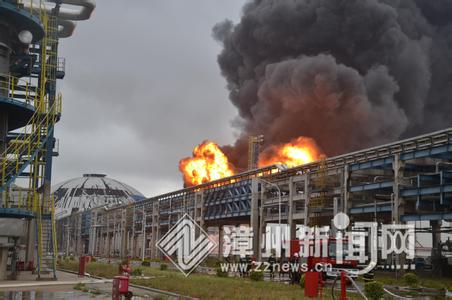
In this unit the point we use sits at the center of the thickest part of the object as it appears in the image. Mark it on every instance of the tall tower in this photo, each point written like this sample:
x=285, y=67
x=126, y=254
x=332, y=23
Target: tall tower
x=254, y=143
x=29, y=109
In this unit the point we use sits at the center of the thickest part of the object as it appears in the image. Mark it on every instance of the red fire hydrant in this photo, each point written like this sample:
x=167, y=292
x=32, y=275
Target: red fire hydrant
x=81, y=266
x=343, y=286
x=121, y=288
x=311, y=284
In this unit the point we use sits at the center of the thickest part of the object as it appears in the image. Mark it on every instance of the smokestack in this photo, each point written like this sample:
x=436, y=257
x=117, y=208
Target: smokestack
x=347, y=73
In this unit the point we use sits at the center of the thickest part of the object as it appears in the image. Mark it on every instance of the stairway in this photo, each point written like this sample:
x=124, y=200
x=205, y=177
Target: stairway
x=47, y=249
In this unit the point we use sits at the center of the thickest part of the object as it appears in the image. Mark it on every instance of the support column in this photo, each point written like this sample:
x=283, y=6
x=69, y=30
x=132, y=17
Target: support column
x=398, y=209
x=3, y=262
x=92, y=236
x=262, y=226
x=156, y=229
x=307, y=198
x=254, y=220
x=132, y=240
x=346, y=204
x=399, y=205
x=220, y=242
x=436, y=247
x=108, y=237
x=31, y=235
x=290, y=221
x=123, y=233
x=143, y=235
x=199, y=208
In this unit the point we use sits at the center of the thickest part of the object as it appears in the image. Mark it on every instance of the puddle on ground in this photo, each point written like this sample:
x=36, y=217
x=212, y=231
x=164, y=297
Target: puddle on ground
x=45, y=295
x=55, y=295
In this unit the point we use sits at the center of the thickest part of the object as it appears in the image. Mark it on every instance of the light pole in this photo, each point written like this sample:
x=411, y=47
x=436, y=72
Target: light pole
x=279, y=204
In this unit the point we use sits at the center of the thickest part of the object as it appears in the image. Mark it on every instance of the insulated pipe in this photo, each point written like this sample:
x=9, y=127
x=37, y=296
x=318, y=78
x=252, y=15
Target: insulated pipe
x=65, y=28
x=67, y=16
x=87, y=8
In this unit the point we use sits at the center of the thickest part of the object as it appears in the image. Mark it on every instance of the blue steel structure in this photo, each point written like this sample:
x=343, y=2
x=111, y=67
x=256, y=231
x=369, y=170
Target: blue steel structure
x=409, y=180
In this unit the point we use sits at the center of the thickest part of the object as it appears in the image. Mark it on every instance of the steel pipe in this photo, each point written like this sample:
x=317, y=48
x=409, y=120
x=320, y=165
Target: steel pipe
x=68, y=16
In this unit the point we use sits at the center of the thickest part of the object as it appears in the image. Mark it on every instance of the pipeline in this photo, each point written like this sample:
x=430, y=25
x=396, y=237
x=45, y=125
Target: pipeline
x=68, y=16
x=361, y=292
x=395, y=296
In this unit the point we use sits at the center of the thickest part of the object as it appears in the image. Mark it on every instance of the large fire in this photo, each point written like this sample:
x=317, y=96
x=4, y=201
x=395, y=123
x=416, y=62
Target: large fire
x=208, y=163
x=300, y=151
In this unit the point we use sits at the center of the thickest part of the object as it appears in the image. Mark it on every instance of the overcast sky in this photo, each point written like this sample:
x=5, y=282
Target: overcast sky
x=143, y=87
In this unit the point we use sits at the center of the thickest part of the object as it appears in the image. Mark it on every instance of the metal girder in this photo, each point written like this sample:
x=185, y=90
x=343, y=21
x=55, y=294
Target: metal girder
x=378, y=163
x=370, y=209
x=427, y=152
x=421, y=178
x=431, y=190
x=372, y=164
x=427, y=217
x=372, y=186
x=16, y=213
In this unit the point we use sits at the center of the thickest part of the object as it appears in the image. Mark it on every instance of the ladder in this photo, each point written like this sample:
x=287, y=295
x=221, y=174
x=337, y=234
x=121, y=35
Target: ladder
x=47, y=243
x=46, y=233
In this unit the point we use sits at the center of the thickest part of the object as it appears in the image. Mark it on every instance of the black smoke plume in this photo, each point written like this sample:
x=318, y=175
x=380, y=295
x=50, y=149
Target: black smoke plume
x=348, y=73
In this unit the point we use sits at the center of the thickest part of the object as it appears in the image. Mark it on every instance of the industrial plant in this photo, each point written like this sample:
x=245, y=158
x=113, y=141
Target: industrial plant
x=341, y=157
x=402, y=182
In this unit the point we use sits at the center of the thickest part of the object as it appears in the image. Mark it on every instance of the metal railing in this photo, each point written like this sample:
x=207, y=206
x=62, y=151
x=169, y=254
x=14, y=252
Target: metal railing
x=34, y=7
x=19, y=90
x=434, y=139
x=25, y=145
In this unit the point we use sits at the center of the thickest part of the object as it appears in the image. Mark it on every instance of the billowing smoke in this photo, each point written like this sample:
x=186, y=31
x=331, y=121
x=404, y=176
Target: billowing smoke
x=348, y=73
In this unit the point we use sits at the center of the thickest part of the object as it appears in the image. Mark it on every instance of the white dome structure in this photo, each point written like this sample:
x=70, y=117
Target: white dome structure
x=90, y=191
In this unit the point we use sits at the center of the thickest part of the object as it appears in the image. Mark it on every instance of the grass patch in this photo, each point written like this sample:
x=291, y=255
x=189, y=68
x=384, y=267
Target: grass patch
x=432, y=282
x=79, y=286
x=136, y=272
x=211, y=262
x=200, y=285
x=93, y=268
x=411, y=279
x=212, y=287
x=374, y=290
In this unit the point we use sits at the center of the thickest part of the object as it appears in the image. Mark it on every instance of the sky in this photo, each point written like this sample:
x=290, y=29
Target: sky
x=142, y=88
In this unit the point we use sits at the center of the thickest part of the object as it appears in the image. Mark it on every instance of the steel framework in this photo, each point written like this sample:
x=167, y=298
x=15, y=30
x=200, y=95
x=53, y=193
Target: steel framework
x=408, y=180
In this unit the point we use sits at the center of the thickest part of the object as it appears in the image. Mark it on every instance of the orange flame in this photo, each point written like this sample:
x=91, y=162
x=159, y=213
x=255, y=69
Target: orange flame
x=300, y=151
x=208, y=163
